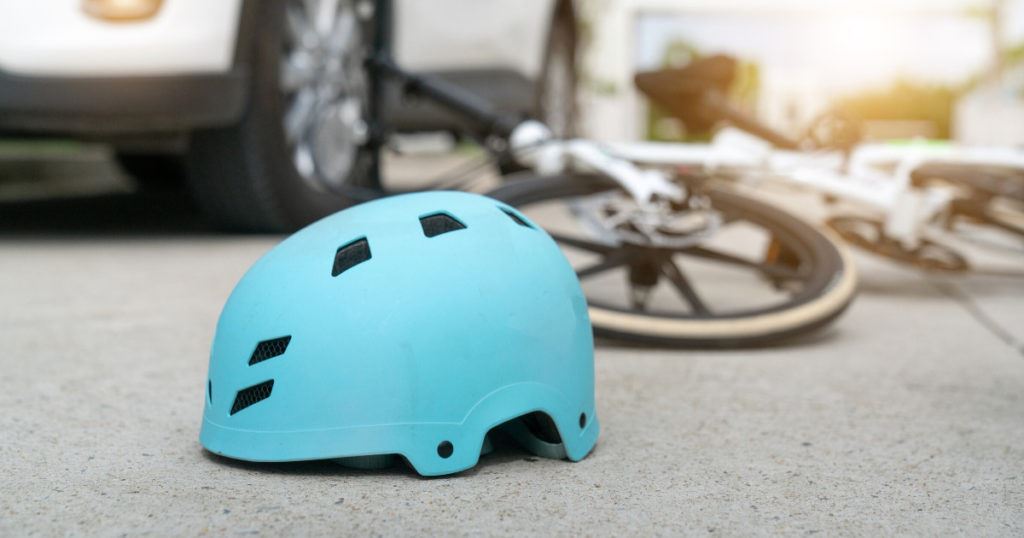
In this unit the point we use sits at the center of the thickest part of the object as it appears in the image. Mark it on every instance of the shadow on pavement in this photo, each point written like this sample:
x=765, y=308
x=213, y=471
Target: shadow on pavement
x=815, y=338
x=61, y=190
x=505, y=451
x=169, y=212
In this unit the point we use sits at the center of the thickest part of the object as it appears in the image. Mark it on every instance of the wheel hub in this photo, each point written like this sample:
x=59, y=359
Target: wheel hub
x=617, y=218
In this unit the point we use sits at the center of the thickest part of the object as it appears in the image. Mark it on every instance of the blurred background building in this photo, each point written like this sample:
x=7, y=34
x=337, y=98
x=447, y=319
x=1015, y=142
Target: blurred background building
x=931, y=68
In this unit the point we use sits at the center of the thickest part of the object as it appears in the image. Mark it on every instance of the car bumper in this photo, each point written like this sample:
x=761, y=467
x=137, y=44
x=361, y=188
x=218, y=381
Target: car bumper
x=121, y=104
x=57, y=38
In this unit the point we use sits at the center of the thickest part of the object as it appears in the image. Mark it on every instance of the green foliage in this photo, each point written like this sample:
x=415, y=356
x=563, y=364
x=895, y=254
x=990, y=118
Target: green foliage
x=905, y=100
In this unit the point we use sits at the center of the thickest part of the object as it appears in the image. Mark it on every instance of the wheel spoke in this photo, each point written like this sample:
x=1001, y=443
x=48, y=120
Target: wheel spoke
x=296, y=26
x=342, y=33
x=582, y=244
x=639, y=296
x=296, y=72
x=684, y=287
x=310, y=10
x=326, y=17
x=615, y=259
x=300, y=115
x=775, y=271
x=333, y=150
x=303, y=160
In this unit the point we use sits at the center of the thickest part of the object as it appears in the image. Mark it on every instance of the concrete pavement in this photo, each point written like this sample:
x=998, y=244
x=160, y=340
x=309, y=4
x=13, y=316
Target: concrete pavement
x=905, y=417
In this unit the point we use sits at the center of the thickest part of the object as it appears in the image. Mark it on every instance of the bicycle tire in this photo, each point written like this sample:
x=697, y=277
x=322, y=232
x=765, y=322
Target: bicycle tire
x=829, y=291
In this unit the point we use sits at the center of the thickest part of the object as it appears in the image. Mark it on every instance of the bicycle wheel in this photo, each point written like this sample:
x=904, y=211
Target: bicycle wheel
x=988, y=195
x=763, y=275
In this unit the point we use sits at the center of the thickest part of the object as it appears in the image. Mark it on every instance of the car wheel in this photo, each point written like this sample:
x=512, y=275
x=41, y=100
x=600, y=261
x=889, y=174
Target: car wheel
x=301, y=137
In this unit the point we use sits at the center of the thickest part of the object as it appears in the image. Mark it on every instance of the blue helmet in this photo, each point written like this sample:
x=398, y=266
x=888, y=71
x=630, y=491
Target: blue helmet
x=409, y=326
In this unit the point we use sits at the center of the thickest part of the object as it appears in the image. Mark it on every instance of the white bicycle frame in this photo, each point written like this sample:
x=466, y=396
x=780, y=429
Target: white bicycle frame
x=875, y=175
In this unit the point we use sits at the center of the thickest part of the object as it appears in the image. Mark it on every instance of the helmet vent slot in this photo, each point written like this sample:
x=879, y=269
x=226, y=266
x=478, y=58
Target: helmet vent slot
x=440, y=223
x=350, y=255
x=516, y=217
x=268, y=349
x=252, y=395
x=209, y=390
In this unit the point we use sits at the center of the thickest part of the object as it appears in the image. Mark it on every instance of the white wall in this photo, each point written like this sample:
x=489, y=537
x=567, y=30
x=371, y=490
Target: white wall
x=993, y=114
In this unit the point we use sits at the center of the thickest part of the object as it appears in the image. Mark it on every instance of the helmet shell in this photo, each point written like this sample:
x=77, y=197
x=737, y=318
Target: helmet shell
x=419, y=348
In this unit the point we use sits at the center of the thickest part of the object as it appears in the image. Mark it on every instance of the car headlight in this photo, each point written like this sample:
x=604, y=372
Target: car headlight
x=121, y=10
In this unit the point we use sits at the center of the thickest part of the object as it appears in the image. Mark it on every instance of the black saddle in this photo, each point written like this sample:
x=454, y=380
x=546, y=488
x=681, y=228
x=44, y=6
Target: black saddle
x=684, y=91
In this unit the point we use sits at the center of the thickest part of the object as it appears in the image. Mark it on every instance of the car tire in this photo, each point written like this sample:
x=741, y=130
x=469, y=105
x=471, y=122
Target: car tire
x=243, y=176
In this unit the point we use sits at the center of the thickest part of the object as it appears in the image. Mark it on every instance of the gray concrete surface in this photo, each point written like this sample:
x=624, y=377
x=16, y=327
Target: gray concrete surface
x=905, y=417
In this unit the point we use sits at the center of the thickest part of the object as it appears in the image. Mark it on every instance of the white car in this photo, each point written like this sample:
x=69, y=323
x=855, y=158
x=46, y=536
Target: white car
x=263, y=97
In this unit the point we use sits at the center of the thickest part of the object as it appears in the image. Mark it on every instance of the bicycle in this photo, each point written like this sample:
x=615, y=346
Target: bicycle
x=644, y=225
x=919, y=193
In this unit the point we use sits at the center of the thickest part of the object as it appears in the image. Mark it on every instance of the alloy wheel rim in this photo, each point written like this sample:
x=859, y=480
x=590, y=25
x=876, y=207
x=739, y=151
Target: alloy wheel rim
x=324, y=86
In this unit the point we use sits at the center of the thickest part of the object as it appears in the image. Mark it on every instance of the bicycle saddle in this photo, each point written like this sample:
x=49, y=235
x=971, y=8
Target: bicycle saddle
x=682, y=90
